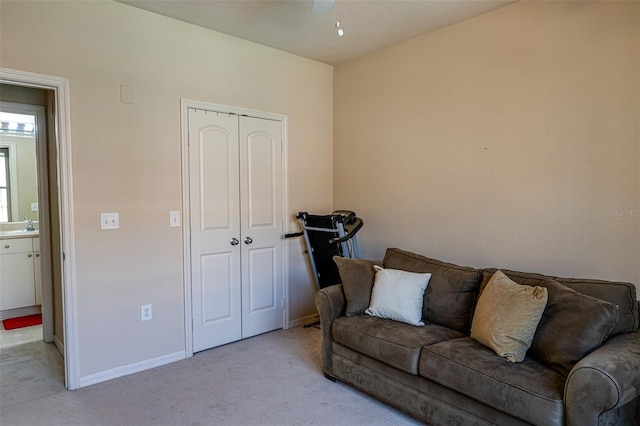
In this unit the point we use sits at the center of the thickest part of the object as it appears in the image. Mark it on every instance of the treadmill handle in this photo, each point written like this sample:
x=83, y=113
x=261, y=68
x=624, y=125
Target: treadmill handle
x=294, y=235
x=351, y=234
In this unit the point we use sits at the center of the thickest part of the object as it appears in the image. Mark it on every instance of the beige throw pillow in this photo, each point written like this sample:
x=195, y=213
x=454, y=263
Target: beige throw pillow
x=507, y=316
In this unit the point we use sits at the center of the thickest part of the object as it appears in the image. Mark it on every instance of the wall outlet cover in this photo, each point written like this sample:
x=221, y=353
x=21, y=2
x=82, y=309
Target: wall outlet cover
x=109, y=220
x=146, y=313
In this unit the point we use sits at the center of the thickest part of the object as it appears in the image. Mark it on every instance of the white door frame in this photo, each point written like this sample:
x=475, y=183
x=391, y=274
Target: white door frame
x=185, y=104
x=65, y=186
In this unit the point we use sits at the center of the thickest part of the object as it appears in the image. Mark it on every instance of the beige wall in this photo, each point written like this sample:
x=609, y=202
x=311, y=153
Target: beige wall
x=126, y=158
x=508, y=140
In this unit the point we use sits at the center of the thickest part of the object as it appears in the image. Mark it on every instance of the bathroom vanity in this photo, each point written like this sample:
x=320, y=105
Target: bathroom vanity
x=19, y=269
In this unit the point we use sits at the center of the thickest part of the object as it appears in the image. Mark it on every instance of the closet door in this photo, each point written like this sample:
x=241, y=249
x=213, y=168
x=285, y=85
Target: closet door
x=261, y=225
x=236, y=198
x=215, y=228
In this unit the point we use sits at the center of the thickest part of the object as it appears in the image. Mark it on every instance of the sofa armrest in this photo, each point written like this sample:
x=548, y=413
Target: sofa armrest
x=606, y=379
x=331, y=304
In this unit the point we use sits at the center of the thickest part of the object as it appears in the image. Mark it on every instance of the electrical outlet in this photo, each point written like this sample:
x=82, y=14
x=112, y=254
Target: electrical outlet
x=146, y=313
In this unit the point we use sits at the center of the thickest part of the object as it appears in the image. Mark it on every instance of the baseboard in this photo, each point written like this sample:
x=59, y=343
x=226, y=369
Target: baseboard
x=136, y=367
x=309, y=319
x=59, y=345
x=20, y=312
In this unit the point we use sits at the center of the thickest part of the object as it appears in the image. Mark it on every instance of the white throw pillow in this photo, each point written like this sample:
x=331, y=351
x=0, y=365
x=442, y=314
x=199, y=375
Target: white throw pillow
x=398, y=295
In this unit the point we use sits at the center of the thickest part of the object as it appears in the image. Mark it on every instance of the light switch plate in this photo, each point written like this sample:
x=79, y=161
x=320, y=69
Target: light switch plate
x=109, y=221
x=174, y=219
x=126, y=94
x=34, y=207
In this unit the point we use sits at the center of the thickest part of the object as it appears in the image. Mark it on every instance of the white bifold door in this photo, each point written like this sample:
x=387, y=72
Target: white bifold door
x=235, y=176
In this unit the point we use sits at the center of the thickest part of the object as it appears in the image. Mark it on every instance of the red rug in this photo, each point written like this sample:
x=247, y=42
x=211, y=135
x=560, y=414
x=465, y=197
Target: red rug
x=28, y=321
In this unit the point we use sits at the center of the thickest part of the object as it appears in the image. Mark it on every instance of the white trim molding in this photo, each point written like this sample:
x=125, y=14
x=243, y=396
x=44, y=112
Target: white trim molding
x=60, y=86
x=58, y=344
x=136, y=367
x=306, y=320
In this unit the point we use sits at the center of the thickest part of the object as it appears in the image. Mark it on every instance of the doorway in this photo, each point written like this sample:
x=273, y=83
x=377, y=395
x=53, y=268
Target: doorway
x=54, y=162
x=27, y=283
x=25, y=204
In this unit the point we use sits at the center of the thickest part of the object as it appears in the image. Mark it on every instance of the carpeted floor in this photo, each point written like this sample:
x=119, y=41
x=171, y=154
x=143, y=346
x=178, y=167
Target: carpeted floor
x=272, y=379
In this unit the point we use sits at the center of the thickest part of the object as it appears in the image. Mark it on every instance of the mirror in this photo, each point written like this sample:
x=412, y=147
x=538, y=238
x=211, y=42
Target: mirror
x=18, y=165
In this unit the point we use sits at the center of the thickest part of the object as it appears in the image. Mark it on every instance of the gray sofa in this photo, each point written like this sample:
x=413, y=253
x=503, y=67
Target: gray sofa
x=440, y=375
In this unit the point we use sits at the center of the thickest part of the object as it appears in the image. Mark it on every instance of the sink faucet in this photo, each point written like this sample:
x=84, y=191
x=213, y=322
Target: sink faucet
x=29, y=224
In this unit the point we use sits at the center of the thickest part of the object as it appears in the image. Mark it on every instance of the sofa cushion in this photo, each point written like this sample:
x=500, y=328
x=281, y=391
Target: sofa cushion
x=357, y=277
x=528, y=390
x=452, y=290
x=507, y=316
x=398, y=295
x=616, y=292
x=391, y=342
x=572, y=326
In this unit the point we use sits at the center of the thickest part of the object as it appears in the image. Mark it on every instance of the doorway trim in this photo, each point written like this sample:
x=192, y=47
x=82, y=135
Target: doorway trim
x=185, y=104
x=60, y=86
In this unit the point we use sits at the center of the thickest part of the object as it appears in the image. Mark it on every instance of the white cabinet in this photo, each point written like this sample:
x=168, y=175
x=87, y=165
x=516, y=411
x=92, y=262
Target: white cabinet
x=18, y=273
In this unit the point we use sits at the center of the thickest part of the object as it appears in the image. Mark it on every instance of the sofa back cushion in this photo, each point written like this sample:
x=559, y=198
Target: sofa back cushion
x=357, y=276
x=572, y=326
x=618, y=293
x=451, y=294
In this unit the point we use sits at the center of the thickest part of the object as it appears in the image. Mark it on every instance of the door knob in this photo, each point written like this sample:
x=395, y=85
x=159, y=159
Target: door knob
x=248, y=240
x=234, y=242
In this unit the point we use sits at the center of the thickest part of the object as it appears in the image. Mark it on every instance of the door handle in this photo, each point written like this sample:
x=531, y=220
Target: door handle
x=234, y=242
x=248, y=240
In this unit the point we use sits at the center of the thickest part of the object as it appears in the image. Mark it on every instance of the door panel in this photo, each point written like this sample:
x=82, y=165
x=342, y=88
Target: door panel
x=16, y=280
x=261, y=179
x=262, y=223
x=216, y=182
x=262, y=284
x=216, y=299
x=215, y=218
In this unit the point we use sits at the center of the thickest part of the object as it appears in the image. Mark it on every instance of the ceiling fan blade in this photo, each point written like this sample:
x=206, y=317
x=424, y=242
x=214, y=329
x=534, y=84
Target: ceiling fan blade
x=320, y=6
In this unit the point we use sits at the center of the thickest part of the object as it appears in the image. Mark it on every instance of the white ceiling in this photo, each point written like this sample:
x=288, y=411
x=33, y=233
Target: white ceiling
x=289, y=25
